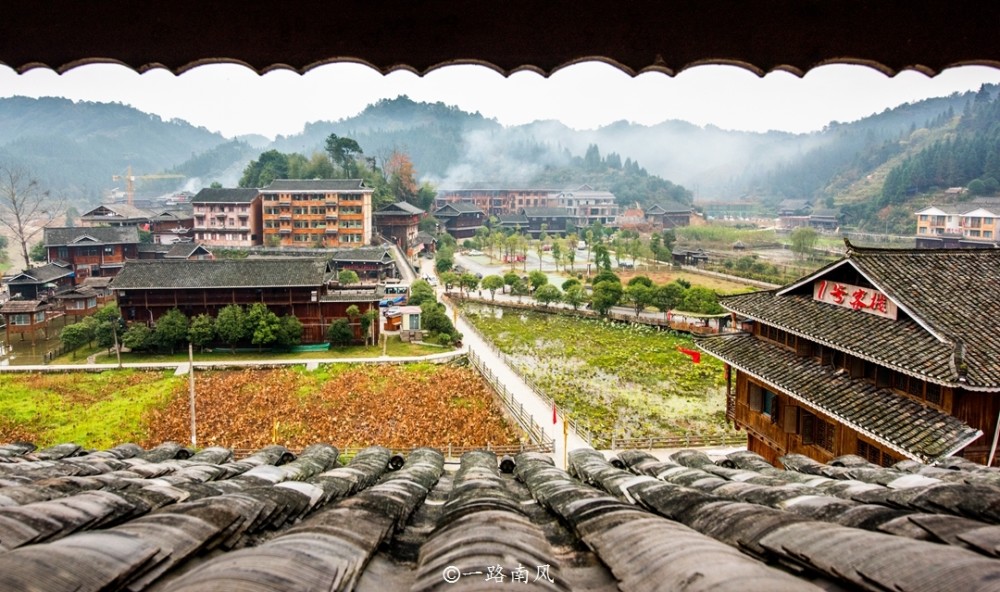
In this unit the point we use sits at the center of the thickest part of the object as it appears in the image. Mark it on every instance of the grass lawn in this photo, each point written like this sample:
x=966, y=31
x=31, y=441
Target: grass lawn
x=629, y=380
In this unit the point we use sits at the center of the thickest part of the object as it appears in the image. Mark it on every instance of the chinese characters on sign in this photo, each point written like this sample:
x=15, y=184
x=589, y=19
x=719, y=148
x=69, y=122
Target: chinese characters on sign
x=854, y=297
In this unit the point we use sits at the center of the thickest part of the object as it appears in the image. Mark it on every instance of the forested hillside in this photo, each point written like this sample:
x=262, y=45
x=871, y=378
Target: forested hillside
x=76, y=147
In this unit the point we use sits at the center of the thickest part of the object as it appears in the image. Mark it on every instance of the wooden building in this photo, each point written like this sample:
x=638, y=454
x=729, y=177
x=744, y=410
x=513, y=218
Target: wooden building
x=887, y=354
x=171, y=226
x=228, y=217
x=92, y=252
x=177, y=250
x=26, y=317
x=498, y=200
x=317, y=212
x=668, y=216
x=460, y=220
x=370, y=263
x=302, y=287
x=37, y=282
x=116, y=215
x=400, y=222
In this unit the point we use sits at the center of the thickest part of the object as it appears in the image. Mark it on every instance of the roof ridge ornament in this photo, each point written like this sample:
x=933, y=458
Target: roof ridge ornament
x=958, y=365
x=850, y=247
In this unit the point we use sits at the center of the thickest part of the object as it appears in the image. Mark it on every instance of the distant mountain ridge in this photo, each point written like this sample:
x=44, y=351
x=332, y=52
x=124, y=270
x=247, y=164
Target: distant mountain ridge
x=76, y=147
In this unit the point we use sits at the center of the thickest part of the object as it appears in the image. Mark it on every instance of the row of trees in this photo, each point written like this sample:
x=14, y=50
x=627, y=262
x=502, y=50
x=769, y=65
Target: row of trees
x=232, y=326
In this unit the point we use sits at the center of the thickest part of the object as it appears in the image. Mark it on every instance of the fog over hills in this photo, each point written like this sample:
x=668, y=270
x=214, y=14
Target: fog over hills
x=74, y=148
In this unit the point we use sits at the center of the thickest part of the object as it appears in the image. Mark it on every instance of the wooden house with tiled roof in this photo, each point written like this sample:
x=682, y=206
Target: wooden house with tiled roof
x=460, y=220
x=36, y=282
x=887, y=354
x=297, y=286
x=92, y=252
x=400, y=222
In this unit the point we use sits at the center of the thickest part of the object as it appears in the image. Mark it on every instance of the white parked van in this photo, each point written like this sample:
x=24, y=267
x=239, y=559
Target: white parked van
x=581, y=245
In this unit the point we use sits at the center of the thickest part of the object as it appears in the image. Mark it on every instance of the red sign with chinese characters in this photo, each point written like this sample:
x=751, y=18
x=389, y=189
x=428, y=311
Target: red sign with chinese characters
x=854, y=297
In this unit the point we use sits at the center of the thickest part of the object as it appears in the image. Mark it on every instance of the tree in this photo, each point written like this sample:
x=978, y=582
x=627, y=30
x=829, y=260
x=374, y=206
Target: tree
x=537, y=279
x=262, y=325
x=641, y=279
x=138, y=337
x=602, y=259
x=201, y=331
x=639, y=295
x=367, y=319
x=575, y=295
x=606, y=276
x=171, y=330
x=38, y=252
x=519, y=288
x=269, y=166
x=340, y=333
x=401, y=177
x=557, y=252
x=469, y=282
x=449, y=279
x=547, y=294
x=493, y=283
x=445, y=260
x=420, y=292
x=289, y=332
x=231, y=325
x=509, y=278
x=606, y=295
x=803, y=240
x=348, y=276
x=701, y=300
x=215, y=185
x=434, y=320
x=75, y=336
x=570, y=282
x=342, y=152
x=25, y=208
x=668, y=296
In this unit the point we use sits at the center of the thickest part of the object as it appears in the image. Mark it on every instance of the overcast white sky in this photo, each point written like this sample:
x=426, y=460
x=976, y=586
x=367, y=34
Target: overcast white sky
x=234, y=100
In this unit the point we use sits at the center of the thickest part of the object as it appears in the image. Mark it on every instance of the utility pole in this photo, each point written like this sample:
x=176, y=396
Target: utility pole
x=194, y=427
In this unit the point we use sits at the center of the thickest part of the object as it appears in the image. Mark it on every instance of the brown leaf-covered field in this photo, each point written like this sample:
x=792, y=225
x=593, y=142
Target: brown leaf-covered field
x=394, y=406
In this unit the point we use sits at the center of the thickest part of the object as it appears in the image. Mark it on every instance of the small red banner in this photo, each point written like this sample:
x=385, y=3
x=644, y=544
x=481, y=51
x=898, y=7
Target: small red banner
x=694, y=355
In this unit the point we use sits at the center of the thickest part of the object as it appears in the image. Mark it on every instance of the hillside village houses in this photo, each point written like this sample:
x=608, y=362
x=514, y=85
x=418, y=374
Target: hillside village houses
x=887, y=354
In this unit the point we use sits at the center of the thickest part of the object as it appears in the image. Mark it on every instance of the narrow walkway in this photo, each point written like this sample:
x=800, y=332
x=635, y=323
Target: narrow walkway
x=540, y=411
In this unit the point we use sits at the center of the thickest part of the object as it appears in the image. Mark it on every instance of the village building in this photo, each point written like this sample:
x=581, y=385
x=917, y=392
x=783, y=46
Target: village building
x=317, y=212
x=36, y=283
x=370, y=263
x=178, y=250
x=886, y=354
x=460, y=220
x=228, y=217
x=400, y=223
x=587, y=206
x=298, y=286
x=92, y=252
x=498, y=200
x=971, y=224
x=26, y=317
x=116, y=215
x=666, y=216
x=84, y=300
x=171, y=226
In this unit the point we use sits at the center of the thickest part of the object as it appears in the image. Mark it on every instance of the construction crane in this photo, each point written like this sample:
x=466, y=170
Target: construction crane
x=130, y=180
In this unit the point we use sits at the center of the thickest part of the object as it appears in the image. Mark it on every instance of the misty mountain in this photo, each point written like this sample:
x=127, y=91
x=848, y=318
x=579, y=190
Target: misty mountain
x=74, y=148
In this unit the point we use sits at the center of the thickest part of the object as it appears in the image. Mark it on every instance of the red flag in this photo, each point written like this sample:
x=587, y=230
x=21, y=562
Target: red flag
x=555, y=418
x=695, y=356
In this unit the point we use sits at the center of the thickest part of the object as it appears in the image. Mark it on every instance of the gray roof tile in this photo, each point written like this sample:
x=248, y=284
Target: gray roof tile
x=179, y=274
x=97, y=235
x=225, y=195
x=283, y=185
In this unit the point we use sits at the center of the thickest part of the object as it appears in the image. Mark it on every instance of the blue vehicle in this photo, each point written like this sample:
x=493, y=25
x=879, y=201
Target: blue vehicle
x=392, y=301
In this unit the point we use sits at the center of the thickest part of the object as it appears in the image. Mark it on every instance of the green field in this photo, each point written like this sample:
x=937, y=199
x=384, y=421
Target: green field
x=629, y=380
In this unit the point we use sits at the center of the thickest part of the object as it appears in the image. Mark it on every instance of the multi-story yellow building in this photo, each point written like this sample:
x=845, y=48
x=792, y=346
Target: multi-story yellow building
x=319, y=212
x=974, y=220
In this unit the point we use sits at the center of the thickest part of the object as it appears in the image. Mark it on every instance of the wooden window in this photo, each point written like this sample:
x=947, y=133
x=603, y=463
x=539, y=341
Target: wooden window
x=933, y=394
x=826, y=357
x=790, y=419
x=816, y=431
x=915, y=387
x=874, y=454
x=899, y=381
x=870, y=370
x=856, y=367
x=769, y=404
x=755, y=396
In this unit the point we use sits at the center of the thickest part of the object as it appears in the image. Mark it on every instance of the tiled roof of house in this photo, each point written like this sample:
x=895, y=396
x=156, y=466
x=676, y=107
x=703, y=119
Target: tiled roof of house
x=546, y=212
x=671, y=208
x=316, y=185
x=915, y=430
x=225, y=195
x=97, y=235
x=512, y=220
x=77, y=293
x=400, y=208
x=117, y=211
x=456, y=209
x=165, y=519
x=183, y=250
x=179, y=274
x=23, y=306
x=949, y=292
x=902, y=345
x=360, y=254
x=153, y=247
x=424, y=238
x=40, y=275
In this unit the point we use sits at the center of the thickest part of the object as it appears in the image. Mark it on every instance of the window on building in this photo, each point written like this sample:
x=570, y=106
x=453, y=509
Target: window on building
x=20, y=319
x=874, y=454
x=816, y=431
